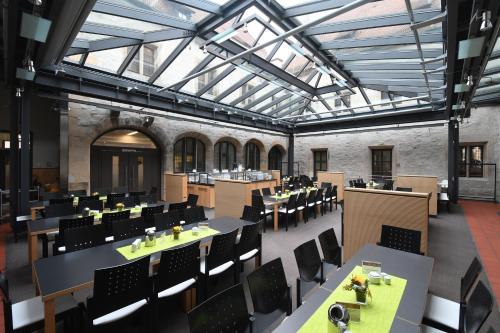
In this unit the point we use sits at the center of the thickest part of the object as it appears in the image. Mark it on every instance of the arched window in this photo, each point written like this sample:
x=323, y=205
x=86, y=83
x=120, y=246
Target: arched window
x=275, y=158
x=224, y=155
x=252, y=156
x=189, y=154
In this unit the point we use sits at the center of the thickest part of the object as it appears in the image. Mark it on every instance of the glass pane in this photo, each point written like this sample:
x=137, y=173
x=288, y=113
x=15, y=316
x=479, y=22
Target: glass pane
x=90, y=37
x=200, y=156
x=247, y=39
x=242, y=90
x=140, y=172
x=226, y=83
x=258, y=94
x=119, y=22
x=178, y=156
x=107, y=60
x=74, y=58
x=115, y=171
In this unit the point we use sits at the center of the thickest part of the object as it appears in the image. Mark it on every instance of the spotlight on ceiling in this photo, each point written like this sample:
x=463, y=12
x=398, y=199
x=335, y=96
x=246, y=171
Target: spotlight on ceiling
x=148, y=121
x=205, y=51
x=60, y=71
x=36, y=2
x=245, y=27
x=134, y=88
x=27, y=72
x=18, y=92
x=470, y=81
x=486, y=22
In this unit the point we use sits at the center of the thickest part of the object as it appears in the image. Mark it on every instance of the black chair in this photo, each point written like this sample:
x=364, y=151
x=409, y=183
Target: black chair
x=194, y=214
x=177, y=206
x=168, y=220
x=249, y=245
x=220, y=258
x=126, y=229
x=332, y=252
x=266, y=191
x=326, y=184
x=110, y=199
x=404, y=189
x=444, y=312
x=319, y=201
x=58, y=201
x=66, y=224
x=136, y=195
x=224, y=312
x=351, y=183
x=330, y=197
x=301, y=205
x=178, y=270
x=277, y=189
x=310, y=204
x=271, y=295
x=400, y=239
x=388, y=185
x=77, y=193
x=46, y=196
x=57, y=210
x=192, y=200
x=289, y=209
x=108, y=218
x=153, y=192
x=360, y=185
x=471, y=316
x=256, y=192
x=28, y=315
x=147, y=198
x=128, y=202
x=258, y=202
x=88, y=198
x=148, y=214
x=85, y=237
x=251, y=214
x=119, y=293
x=310, y=267
x=91, y=204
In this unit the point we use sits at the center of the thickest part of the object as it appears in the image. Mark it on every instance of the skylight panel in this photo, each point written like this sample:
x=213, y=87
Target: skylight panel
x=118, y=21
x=107, y=60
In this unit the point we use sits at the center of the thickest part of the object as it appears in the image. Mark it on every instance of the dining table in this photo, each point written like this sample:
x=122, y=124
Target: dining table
x=38, y=206
x=69, y=272
x=412, y=270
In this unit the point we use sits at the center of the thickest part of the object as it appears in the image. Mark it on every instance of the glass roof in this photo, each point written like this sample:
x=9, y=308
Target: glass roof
x=340, y=66
x=489, y=84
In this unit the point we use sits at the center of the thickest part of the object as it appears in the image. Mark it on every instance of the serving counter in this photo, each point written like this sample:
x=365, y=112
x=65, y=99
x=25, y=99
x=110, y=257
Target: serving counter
x=335, y=178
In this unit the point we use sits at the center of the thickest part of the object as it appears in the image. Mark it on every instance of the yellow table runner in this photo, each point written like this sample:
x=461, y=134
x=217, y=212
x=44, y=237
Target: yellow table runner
x=376, y=317
x=163, y=243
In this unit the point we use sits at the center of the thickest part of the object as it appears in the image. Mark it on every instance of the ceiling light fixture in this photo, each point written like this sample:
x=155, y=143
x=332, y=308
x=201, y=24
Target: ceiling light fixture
x=470, y=82
x=486, y=23
x=205, y=51
x=245, y=27
x=36, y=2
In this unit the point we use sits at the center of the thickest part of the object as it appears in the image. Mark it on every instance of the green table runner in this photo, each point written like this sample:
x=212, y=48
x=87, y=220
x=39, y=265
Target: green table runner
x=377, y=316
x=163, y=243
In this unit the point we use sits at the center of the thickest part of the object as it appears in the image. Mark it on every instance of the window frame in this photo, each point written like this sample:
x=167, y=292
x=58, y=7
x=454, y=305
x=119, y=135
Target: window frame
x=255, y=159
x=218, y=160
x=198, y=155
x=276, y=154
x=464, y=162
x=323, y=160
x=383, y=171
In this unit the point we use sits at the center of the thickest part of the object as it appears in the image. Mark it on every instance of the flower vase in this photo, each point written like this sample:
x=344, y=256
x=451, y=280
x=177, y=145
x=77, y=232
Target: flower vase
x=176, y=235
x=361, y=296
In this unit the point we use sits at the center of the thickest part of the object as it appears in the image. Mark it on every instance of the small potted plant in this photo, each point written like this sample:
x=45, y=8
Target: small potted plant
x=359, y=284
x=176, y=231
x=120, y=206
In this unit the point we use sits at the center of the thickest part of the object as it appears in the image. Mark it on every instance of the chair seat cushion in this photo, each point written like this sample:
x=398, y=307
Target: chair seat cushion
x=319, y=202
x=327, y=199
x=443, y=311
x=311, y=204
x=217, y=270
x=249, y=254
x=31, y=311
x=120, y=313
x=301, y=208
x=267, y=211
x=176, y=289
x=283, y=210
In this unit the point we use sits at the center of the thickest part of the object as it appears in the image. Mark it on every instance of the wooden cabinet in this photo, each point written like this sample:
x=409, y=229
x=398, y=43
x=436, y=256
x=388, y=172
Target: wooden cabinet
x=335, y=178
x=175, y=187
x=205, y=193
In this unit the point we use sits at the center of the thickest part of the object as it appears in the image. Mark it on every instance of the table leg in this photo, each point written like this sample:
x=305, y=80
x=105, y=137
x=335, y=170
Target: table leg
x=49, y=309
x=33, y=213
x=275, y=217
x=32, y=251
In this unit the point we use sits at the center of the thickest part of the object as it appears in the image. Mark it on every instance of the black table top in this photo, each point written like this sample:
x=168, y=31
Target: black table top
x=62, y=274
x=42, y=226
x=416, y=269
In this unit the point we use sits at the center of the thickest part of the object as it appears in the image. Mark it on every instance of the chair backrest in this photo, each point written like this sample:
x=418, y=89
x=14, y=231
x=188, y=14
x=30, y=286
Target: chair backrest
x=7, y=303
x=478, y=309
x=127, y=228
x=136, y=195
x=266, y=191
x=277, y=189
x=126, y=201
x=85, y=237
x=311, y=198
x=251, y=214
x=65, y=224
x=256, y=192
x=404, y=189
x=221, y=249
x=112, y=196
x=469, y=278
x=400, y=239
x=224, y=312
x=194, y=215
x=360, y=185
x=166, y=221
x=91, y=204
x=319, y=195
x=192, y=200
x=177, y=206
x=178, y=265
x=388, y=185
x=147, y=198
x=250, y=239
x=328, y=192
x=308, y=260
x=351, y=183
x=57, y=201
x=119, y=286
x=56, y=210
x=334, y=191
x=325, y=184
x=268, y=287
x=258, y=202
x=301, y=199
x=109, y=218
x=330, y=246
x=292, y=202
x=88, y=198
x=148, y=214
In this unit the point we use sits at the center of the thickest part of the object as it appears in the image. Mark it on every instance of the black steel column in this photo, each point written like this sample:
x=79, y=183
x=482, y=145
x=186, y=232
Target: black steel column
x=25, y=169
x=15, y=106
x=453, y=148
x=291, y=147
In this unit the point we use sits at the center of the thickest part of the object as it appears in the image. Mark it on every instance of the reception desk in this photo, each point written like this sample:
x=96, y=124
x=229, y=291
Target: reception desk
x=422, y=184
x=232, y=195
x=365, y=211
x=336, y=178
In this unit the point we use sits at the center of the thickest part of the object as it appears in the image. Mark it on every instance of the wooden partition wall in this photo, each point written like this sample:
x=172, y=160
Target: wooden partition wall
x=336, y=178
x=422, y=184
x=205, y=193
x=365, y=211
x=175, y=187
x=232, y=195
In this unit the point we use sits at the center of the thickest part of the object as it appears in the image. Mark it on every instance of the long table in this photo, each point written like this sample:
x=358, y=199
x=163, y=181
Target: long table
x=416, y=269
x=66, y=273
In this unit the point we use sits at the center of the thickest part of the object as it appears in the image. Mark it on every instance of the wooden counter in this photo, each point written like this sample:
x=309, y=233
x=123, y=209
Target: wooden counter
x=232, y=195
x=422, y=184
x=336, y=178
x=205, y=193
x=175, y=187
x=365, y=211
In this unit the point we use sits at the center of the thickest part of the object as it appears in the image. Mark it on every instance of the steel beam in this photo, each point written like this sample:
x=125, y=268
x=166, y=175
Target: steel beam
x=365, y=97
x=273, y=102
x=327, y=89
x=403, y=82
x=388, y=55
x=205, y=6
x=262, y=98
x=111, y=30
x=249, y=93
x=128, y=59
x=204, y=63
x=234, y=87
x=315, y=7
x=374, y=74
x=387, y=66
x=171, y=57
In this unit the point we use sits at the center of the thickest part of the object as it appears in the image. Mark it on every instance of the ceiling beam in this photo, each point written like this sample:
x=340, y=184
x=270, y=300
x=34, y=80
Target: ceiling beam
x=403, y=82
x=314, y=7
x=327, y=89
x=170, y=59
x=387, y=66
x=203, y=5
x=388, y=55
x=111, y=30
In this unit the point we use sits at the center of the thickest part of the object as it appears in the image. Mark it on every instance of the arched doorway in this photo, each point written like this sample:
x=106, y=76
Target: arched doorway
x=124, y=160
x=275, y=158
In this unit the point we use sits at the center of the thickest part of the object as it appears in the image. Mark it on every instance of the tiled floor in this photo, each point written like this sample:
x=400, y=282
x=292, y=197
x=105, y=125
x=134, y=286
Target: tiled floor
x=484, y=223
